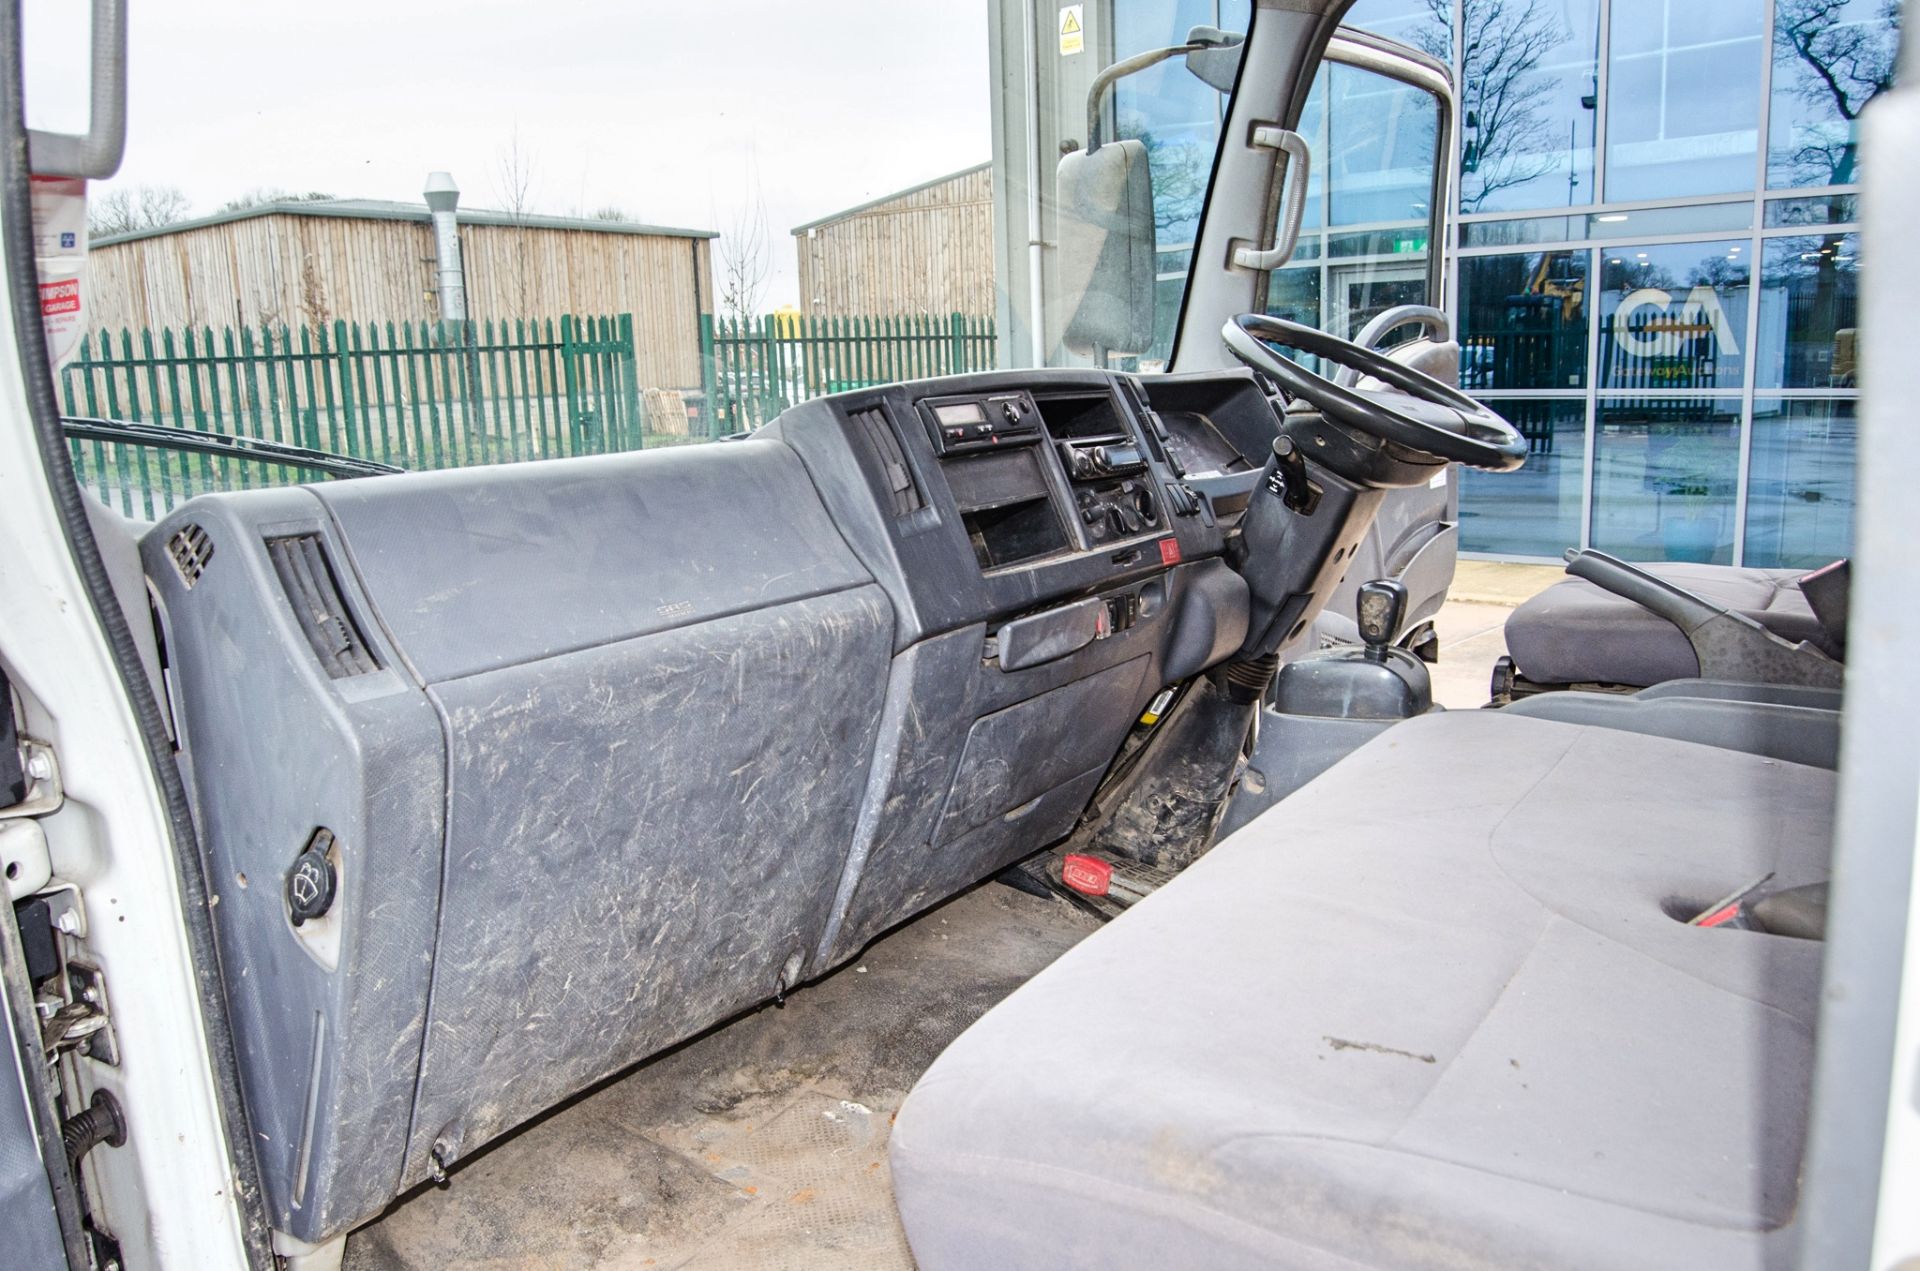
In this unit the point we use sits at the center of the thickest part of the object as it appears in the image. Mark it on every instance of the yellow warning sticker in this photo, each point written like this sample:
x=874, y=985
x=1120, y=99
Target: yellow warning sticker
x=1073, y=36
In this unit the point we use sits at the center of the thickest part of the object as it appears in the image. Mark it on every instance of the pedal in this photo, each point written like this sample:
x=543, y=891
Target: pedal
x=1107, y=880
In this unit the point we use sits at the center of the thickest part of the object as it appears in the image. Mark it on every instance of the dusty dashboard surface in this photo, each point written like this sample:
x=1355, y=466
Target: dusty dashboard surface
x=703, y=721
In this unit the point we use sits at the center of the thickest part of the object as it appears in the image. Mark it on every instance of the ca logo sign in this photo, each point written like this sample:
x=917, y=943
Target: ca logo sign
x=1698, y=314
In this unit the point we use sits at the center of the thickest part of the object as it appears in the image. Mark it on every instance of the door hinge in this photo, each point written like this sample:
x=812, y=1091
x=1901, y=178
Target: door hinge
x=75, y=1015
x=39, y=791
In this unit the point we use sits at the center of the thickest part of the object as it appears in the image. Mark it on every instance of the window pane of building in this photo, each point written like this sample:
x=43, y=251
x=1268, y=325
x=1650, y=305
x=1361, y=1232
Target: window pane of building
x=1694, y=218
x=1800, y=483
x=1528, y=104
x=1523, y=320
x=1674, y=316
x=1664, y=475
x=1809, y=308
x=1422, y=24
x=1535, y=511
x=1683, y=98
x=1821, y=209
x=1830, y=58
x=1519, y=233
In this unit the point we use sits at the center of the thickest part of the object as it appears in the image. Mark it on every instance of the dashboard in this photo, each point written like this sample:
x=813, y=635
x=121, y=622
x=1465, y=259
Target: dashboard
x=987, y=495
x=759, y=700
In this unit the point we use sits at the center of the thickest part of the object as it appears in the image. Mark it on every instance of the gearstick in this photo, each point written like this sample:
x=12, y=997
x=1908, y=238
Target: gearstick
x=1378, y=609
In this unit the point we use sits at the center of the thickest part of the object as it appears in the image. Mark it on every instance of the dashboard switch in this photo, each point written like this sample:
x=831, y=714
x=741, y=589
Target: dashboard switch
x=311, y=882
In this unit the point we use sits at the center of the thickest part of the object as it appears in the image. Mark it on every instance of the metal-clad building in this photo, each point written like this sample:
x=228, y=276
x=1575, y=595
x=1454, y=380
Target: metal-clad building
x=923, y=250
x=310, y=263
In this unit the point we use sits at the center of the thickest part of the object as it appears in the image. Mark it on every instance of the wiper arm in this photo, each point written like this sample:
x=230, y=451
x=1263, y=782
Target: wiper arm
x=165, y=437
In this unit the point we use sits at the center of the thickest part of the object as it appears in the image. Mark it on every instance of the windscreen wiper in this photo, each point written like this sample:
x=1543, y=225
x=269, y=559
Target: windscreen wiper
x=165, y=437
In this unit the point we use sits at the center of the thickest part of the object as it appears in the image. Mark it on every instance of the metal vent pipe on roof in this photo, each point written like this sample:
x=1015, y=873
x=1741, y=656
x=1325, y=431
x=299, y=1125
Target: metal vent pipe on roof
x=442, y=197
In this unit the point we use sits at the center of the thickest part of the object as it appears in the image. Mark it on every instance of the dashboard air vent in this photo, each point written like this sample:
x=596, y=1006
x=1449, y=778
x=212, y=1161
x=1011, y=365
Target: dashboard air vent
x=191, y=550
x=314, y=593
x=883, y=442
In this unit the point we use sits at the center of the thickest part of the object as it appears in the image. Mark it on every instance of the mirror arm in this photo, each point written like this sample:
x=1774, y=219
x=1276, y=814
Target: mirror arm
x=95, y=153
x=1120, y=70
x=1298, y=170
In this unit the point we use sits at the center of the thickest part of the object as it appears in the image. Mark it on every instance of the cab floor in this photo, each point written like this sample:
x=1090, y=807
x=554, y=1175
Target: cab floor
x=760, y=1144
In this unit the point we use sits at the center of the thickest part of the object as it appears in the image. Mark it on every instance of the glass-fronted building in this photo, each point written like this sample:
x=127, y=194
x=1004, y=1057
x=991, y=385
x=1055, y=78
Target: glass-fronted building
x=1658, y=265
x=1654, y=217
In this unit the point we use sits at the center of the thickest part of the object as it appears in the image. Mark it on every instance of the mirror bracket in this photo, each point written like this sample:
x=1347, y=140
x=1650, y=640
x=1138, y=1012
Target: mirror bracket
x=95, y=153
x=1212, y=55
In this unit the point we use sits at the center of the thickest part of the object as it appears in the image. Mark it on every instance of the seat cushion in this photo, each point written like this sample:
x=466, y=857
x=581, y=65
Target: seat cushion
x=1575, y=632
x=1430, y=1011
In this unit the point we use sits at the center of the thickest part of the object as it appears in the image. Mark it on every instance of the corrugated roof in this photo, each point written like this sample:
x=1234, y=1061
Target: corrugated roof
x=858, y=208
x=385, y=210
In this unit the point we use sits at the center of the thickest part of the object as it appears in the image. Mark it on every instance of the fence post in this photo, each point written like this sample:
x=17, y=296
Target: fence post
x=769, y=405
x=343, y=375
x=571, y=371
x=709, y=389
x=630, y=385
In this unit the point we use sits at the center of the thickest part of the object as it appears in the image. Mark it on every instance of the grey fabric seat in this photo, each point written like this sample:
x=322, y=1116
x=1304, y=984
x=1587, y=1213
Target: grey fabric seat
x=1430, y=1011
x=1577, y=633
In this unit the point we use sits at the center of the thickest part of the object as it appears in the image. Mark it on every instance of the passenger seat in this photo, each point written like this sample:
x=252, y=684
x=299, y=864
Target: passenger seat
x=1575, y=632
x=1437, y=1009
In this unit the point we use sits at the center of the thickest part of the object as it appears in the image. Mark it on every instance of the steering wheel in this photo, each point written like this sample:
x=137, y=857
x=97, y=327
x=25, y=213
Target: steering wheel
x=1418, y=413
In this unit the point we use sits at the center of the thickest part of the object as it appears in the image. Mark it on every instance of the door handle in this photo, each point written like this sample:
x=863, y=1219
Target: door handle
x=1298, y=170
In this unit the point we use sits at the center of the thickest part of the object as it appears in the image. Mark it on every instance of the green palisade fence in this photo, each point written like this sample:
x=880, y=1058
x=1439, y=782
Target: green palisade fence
x=440, y=395
x=416, y=395
x=755, y=368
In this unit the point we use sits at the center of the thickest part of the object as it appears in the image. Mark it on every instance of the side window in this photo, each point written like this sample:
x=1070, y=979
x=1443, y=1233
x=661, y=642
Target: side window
x=1370, y=221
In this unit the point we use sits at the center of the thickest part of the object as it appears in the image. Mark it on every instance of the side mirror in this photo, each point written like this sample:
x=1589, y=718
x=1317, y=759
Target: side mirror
x=1107, y=248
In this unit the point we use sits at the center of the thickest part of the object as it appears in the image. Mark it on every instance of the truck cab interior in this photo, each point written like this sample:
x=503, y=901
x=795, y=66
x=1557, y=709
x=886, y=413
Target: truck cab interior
x=512, y=787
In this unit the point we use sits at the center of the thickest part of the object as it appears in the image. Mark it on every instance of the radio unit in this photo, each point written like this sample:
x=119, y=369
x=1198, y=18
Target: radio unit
x=1091, y=461
x=980, y=421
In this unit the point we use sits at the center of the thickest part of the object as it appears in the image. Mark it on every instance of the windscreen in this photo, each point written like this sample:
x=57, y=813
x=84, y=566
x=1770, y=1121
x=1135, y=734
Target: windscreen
x=504, y=234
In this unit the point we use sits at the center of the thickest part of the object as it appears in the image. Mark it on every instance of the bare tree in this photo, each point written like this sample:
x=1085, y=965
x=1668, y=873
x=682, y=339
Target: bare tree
x=514, y=182
x=1835, y=67
x=746, y=254
x=262, y=195
x=131, y=208
x=1503, y=100
x=611, y=212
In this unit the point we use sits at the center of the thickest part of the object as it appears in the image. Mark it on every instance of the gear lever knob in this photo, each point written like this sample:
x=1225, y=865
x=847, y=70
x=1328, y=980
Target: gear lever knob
x=1378, y=609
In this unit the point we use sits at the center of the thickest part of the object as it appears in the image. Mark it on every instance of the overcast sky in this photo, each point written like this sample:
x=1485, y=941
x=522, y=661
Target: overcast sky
x=671, y=111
